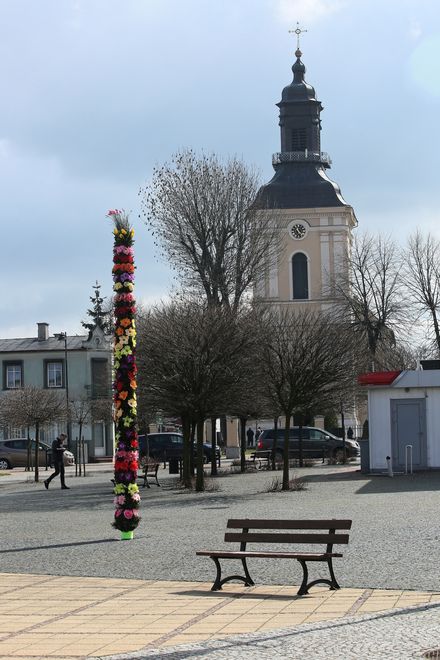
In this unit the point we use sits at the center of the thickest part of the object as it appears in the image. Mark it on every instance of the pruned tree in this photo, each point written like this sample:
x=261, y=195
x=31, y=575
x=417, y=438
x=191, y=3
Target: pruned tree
x=192, y=360
x=422, y=279
x=370, y=287
x=201, y=211
x=32, y=407
x=306, y=365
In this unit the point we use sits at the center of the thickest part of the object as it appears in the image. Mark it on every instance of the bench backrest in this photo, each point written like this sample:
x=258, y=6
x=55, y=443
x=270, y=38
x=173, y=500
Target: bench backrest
x=288, y=531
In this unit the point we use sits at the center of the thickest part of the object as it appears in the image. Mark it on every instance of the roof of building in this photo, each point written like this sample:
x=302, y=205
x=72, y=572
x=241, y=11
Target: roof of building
x=299, y=186
x=32, y=344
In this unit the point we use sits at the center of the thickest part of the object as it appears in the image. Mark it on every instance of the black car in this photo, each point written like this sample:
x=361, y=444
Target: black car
x=316, y=443
x=166, y=446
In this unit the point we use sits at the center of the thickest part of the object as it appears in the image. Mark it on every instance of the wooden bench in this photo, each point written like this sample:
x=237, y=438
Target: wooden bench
x=149, y=468
x=275, y=532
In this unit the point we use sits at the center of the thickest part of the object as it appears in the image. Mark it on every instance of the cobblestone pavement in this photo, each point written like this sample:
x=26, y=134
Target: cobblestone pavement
x=57, y=535
x=69, y=533
x=401, y=635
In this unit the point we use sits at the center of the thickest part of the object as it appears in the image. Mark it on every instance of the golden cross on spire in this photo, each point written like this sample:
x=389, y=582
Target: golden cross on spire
x=297, y=31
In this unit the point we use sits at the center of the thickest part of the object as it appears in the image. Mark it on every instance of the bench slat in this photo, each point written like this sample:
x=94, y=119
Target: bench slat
x=241, y=554
x=249, y=537
x=288, y=524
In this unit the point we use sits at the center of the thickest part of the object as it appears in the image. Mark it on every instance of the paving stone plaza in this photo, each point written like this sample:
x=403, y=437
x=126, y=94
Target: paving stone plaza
x=64, y=588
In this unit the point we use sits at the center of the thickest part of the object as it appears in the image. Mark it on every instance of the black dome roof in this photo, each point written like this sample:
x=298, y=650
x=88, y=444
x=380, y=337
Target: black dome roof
x=299, y=186
x=298, y=89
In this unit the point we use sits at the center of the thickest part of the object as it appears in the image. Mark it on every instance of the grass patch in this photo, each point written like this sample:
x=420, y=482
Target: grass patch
x=295, y=484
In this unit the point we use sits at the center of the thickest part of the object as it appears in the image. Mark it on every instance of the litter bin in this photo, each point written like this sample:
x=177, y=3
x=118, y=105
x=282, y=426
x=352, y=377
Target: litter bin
x=365, y=455
x=173, y=466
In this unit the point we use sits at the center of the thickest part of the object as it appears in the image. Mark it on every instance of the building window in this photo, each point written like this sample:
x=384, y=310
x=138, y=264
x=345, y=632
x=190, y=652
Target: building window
x=298, y=139
x=12, y=375
x=101, y=384
x=54, y=374
x=14, y=432
x=300, y=277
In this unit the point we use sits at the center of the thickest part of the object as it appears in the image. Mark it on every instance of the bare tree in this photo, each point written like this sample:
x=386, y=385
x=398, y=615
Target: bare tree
x=372, y=292
x=201, y=211
x=192, y=360
x=422, y=279
x=32, y=407
x=306, y=365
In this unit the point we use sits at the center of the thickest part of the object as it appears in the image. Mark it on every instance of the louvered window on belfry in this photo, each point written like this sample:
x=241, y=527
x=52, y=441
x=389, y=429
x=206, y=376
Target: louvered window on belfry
x=298, y=139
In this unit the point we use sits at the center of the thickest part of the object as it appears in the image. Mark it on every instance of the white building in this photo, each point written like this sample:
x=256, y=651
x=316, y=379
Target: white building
x=404, y=419
x=78, y=366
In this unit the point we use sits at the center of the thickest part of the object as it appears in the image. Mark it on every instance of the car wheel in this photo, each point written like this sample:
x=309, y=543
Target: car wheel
x=279, y=456
x=339, y=455
x=4, y=464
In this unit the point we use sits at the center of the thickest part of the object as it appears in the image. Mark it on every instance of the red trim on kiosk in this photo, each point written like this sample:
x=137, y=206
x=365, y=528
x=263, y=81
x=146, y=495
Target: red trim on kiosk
x=378, y=378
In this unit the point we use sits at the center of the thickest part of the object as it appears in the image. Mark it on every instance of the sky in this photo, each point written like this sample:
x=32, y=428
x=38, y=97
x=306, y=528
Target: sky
x=96, y=93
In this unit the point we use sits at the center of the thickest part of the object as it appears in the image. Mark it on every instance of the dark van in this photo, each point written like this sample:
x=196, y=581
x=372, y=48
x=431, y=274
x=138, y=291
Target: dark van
x=169, y=445
x=316, y=443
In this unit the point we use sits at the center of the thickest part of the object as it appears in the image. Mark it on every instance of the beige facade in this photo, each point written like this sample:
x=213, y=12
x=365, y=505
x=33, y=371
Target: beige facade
x=324, y=240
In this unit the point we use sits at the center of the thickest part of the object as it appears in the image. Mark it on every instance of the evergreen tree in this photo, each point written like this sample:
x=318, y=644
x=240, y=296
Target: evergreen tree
x=98, y=315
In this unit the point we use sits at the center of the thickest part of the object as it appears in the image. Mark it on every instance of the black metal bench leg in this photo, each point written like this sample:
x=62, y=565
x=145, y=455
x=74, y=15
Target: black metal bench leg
x=218, y=582
x=334, y=584
x=249, y=581
x=304, y=587
x=218, y=578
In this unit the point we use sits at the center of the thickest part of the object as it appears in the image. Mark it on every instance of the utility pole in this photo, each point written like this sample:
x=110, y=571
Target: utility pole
x=62, y=336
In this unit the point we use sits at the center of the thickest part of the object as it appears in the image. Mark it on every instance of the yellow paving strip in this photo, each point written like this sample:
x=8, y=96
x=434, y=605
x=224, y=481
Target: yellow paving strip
x=73, y=617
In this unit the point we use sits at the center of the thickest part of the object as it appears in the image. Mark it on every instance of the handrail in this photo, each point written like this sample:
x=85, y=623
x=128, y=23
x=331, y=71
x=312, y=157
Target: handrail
x=301, y=156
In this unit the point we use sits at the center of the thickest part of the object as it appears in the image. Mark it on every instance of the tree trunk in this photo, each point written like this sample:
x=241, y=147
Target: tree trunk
x=192, y=449
x=79, y=449
x=29, y=453
x=186, y=472
x=300, y=444
x=37, y=443
x=200, y=479
x=213, y=445
x=274, y=445
x=242, y=444
x=286, y=454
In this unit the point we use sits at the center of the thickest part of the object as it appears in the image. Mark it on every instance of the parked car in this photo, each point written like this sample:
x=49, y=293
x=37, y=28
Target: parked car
x=13, y=453
x=316, y=443
x=164, y=446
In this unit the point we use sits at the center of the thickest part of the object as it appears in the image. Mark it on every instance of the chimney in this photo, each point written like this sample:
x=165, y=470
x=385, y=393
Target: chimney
x=43, y=331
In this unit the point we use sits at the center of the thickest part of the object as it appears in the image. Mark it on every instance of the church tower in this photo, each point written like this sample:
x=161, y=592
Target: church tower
x=305, y=205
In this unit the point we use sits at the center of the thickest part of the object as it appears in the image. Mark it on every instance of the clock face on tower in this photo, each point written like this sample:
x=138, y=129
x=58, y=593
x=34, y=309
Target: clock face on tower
x=298, y=231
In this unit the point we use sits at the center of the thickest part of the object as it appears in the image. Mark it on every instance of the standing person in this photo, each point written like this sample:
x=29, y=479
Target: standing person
x=350, y=433
x=58, y=450
x=250, y=437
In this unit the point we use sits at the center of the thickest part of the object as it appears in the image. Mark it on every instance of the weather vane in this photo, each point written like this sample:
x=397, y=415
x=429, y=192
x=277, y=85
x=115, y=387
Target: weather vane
x=297, y=31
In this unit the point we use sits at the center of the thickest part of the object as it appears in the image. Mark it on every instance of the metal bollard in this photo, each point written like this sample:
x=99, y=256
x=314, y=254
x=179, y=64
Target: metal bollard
x=389, y=466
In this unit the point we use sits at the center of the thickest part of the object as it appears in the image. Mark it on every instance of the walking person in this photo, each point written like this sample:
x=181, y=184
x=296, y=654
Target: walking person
x=250, y=437
x=58, y=450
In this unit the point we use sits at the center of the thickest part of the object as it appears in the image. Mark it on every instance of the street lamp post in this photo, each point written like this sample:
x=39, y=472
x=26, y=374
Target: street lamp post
x=62, y=336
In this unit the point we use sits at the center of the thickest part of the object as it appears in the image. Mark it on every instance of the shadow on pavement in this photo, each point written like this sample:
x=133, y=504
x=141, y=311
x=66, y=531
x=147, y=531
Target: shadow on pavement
x=57, y=545
x=382, y=483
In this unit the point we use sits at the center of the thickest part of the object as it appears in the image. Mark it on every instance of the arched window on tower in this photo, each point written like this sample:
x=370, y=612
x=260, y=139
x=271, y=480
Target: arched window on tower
x=300, y=278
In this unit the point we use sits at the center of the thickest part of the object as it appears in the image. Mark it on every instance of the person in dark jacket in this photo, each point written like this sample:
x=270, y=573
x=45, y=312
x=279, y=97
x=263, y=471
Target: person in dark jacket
x=58, y=450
